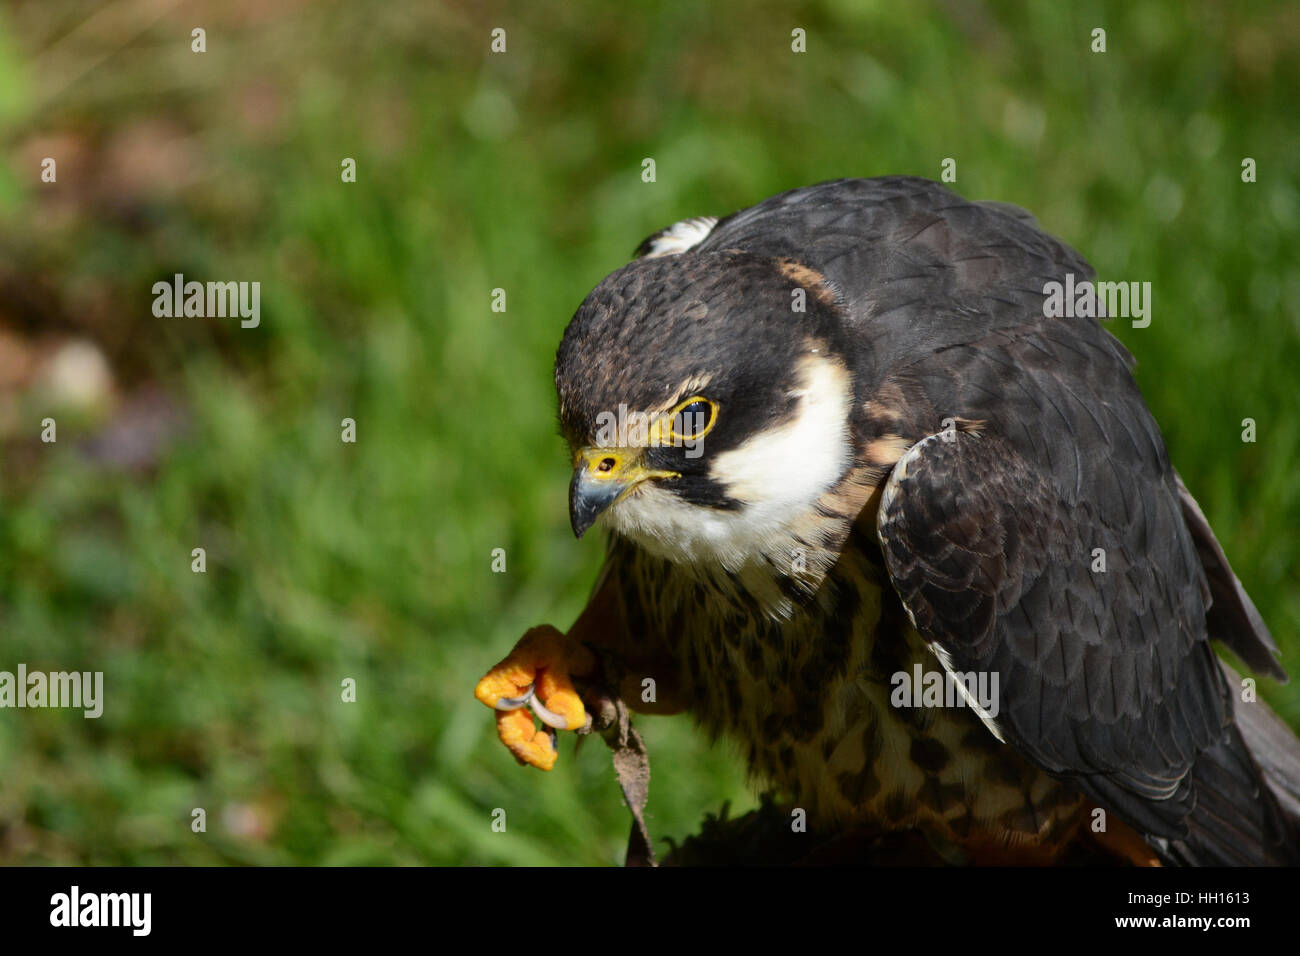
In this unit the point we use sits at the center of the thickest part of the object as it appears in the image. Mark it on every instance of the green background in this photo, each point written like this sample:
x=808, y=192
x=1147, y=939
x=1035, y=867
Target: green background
x=519, y=171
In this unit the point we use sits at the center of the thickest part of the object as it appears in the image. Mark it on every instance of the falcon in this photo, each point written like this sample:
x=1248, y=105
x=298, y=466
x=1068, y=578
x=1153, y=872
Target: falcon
x=842, y=450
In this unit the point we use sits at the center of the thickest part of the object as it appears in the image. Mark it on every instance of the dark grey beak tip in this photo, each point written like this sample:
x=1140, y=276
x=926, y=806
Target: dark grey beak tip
x=579, y=523
x=588, y=500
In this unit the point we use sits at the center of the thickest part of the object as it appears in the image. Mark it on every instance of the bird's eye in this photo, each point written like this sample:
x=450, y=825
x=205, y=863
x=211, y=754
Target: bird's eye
x=692, y=419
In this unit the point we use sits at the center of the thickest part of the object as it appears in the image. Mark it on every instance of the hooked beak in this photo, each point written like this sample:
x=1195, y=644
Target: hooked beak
x=601, y=477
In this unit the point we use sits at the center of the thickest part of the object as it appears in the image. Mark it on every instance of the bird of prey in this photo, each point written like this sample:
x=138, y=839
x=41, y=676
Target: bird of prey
x=844, y=451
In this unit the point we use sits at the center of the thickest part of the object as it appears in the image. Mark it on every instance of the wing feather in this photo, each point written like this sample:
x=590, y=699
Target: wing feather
x=1106, y=676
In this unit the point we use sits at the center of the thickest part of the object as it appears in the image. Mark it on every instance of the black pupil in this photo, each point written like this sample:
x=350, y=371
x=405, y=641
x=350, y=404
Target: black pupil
x=693, y=419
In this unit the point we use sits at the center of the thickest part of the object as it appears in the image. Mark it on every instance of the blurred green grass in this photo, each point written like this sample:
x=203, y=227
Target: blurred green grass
x=518, y=171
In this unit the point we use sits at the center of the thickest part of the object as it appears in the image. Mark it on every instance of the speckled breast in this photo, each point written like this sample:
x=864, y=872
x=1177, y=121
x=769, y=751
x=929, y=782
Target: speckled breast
x=808, y=699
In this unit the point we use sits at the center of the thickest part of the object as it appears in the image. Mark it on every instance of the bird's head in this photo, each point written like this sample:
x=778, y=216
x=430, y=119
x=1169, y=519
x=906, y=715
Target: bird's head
x=707, y=400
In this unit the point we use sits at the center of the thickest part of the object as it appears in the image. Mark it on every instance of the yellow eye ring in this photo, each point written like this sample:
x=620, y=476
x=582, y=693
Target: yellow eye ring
x=685, y=414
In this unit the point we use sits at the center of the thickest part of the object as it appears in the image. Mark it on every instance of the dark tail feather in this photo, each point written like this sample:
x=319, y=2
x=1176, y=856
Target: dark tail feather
x=1247, y=787
x=1232, y=618
x=1276, y=750
x=1236, y=821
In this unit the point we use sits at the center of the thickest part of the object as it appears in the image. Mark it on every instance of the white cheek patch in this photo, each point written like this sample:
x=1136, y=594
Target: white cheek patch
x=777, y=475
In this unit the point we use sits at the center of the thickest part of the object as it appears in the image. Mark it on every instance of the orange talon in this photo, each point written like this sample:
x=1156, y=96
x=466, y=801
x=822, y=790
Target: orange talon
x=537, y=674
x=529, y=745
